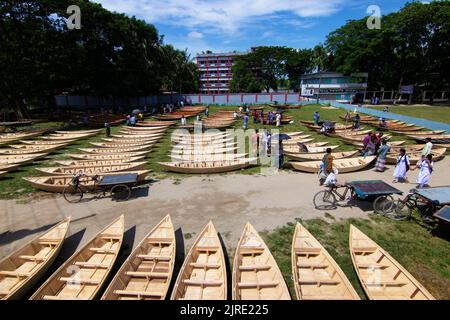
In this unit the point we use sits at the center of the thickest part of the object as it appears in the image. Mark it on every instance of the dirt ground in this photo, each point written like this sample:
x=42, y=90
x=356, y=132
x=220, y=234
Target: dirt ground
x=230, y=201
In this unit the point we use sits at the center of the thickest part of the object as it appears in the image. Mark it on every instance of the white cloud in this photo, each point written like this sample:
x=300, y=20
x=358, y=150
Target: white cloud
x=195, y=35
x=228, y=16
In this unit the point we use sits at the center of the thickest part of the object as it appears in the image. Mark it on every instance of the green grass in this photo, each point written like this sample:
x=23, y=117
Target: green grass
x=439, y=114
x=425, y=256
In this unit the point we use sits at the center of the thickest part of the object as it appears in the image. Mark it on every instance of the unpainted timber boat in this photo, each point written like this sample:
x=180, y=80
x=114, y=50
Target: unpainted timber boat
x=45, y=142
x=207, y=167
x=2, y=173
x=93, y=169
x=316, y=275
x=107, y=145
x=343, y=165
x=421, y=133
x=103, y=162
x=21, y=159
x=80, y=132
x=9, y=167
x=319, y=156
x=130, y=139
x=437, y=139
x=203, y=275
x=136, y=156
x=311, y=150
x=151, y=124
x=56, y=184
x=147, y=272
x=116, y=150
x=25, y=149
x=20, y=271
x=83, y=275
x=201, y=150
x=381, y=276
x=415, y=157
x=208, y=157
x=11, y=137
x=256, y=275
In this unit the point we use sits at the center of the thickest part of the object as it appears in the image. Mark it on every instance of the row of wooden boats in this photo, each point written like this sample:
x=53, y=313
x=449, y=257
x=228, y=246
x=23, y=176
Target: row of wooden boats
x=121, y=154
x=147, y=273
x=6, y=138
x=187, y=112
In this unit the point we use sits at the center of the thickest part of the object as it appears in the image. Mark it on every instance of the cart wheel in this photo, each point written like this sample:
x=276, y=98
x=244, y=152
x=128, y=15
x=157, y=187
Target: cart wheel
x=383, y=204
x=73, y=194
x=121, y=192
x=324, y=200
x=400, y=211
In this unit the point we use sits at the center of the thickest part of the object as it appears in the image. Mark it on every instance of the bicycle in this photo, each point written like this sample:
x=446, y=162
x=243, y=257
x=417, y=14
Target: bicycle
x=328, y=199
x=403, y=209
x=75, y=191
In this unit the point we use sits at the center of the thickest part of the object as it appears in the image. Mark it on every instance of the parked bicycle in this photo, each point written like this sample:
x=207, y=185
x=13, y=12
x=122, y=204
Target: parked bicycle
x=119, y=187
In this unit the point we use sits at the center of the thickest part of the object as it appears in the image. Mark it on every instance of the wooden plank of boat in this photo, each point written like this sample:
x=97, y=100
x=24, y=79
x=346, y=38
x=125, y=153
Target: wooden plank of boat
x=151, y=124
x=207, y=157
x=343, y=165
x=93, y=169
x=184, y=143
x=93, y=263
x=80, y=131
x=203, y=275
x=203, y=146
x=316, y=275
x=256, y=275
x=203, y=151
x=9, y=167
x=207, y=167
x=101, y=162
x=421, y=133
x=115, y=150
x=141, y=133
x=68, y=136
x=438, y=139
x=147, y=272
x=381, y=276
x=45, y=142
x=21, y=159
x=56, y=184
x=10, y=137
x=136, y=156
x=296, y=142
x=408, y=148
x=28, y=149
x=122, y=145
x=21, y=270
x=311, y=150
x=415, y=157
x=128, y=139
x=406, y=128
x=145, y=129
x=319, y=156
x=136, y=137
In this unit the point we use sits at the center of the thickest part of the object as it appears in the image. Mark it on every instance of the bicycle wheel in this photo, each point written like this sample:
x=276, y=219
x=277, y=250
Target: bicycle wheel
x=325, y=200
x=121, y=193
x=383, y=204
x=73, y=194
x=400, y=211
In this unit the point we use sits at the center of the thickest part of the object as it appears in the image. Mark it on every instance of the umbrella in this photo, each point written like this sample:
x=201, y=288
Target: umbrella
x=136, y=111
x=281, y=136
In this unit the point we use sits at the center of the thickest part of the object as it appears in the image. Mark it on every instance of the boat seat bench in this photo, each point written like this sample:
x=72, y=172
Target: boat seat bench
x=81, y=281
x=254, y=267
x=138, y=293
x=157, y=258
x=250, y=285
x=155, y=275
x=204, y=265
x=208, y=283
x=92, y=265
x=15, y=274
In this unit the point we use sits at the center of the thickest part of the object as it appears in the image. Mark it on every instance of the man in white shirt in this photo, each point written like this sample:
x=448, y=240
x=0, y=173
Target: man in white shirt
x=427, y=149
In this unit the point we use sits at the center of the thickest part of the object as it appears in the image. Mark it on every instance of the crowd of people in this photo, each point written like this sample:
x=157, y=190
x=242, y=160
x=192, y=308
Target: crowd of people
x=244, y=112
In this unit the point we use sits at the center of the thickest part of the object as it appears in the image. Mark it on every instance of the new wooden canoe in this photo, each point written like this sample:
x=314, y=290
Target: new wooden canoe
x=203, y=151
x=130, y=144
x=226, y=142
x=316, y=275
x=208, y=157
x=136, y=156
x=296, y=142
x=421, y=133
x=44, y=142
x=207, y=167
x=311, y=150
x=80, y=132
x=203, y=147
x=21, y=270
x=103, y=162
x=2, y=173
x=11, y=137
x=25, y=149
x=116, y=150
x=84, y=274
x=135, y=137
x=381, y=276
x=437, y=139
x=343, y=165
x=319, y=156
x=93, y=169
x=9, y=167
x=151, y=124
x=56, y=184
x=256, y=275
x=22, y=159
x=131, y=139
x=147, y=273
x=415, y=157
x=57, y=136
x=139, y=131
x=203, y=275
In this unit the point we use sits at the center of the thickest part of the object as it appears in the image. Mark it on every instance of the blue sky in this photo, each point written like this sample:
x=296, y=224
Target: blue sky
x=228, y=25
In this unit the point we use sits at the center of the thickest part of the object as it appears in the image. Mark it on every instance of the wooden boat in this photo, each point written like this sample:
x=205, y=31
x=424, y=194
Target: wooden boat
x=361, y=144
x=415, y=157
x=140, y=133
x=9, y=167
x=151, y=124
x=38, y=147
x=319, y=156
x=311, y=150
x=106, y=145
x=91, y=170
x=93, y=263
x=343, y=165
x=136, y=137
x=220, y=142
x=203, y=151
x=67, y=136
x=256, y=275
x=21, y=159
x=116, y=150
x=136, y=156
x=81, y=132
x=11, y=137
x=207, y=157
x=130, y=139
x=21, y=270
x=3, y=173
x=408, y=148
x=316, y=275
x=359, y=138
x=381, y=276
x=203, y=275
x=25, y=149
x=44, y=142
x=85, y=163
x=294, y=134
x=144, y=130
x=147, y=273
x=421, y=133
x=437, y=139
x=56, y=184
x=296, y=142
x=207, y=167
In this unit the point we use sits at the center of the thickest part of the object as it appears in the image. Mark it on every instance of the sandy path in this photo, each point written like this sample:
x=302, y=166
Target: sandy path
x=229, y=201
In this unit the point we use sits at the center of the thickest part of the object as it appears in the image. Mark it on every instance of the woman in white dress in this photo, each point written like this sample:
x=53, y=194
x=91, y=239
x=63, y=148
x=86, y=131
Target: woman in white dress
x=426, y=168
x=402, y=167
